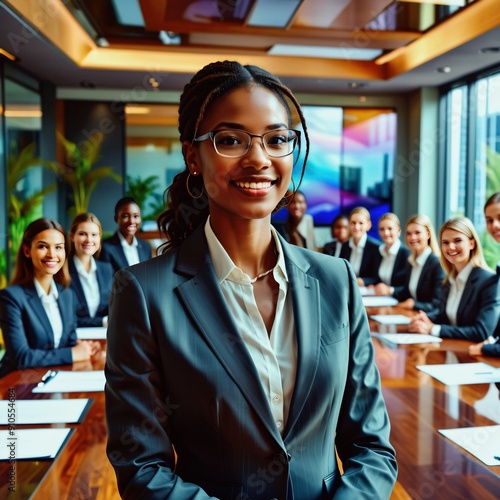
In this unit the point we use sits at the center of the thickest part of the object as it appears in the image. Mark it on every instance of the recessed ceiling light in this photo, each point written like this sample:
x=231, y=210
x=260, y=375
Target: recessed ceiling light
x=490, y=50
x=356, y=85
x=444, y=69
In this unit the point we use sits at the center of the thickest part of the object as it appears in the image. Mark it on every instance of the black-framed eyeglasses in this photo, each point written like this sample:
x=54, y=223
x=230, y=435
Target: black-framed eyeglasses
x=236, y=143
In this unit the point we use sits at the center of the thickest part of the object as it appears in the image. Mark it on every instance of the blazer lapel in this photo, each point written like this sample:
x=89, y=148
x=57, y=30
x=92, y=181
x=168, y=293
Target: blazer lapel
x=37, y=306
x=465, y=299
x=307, y=314
x=216, y=325
x=67, y=315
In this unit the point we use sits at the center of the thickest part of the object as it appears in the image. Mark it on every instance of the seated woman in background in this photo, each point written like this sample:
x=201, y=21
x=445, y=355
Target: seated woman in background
x=360, y=249
x=491, y=346
x=299, y=226
x=124, y=249
x=424, y=274
x=340, y=234
x=37, y=312
x=470, y=300
x=393, y=256
x=90, y=279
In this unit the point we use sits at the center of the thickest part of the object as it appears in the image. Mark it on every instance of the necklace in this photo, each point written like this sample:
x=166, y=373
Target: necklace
x=253, y=280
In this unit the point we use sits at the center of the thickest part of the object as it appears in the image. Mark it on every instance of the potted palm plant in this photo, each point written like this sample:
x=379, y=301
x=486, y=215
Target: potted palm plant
x=79, y=171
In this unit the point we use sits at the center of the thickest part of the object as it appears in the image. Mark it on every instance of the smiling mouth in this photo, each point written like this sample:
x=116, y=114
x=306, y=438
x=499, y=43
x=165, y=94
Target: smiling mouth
x=254, y=185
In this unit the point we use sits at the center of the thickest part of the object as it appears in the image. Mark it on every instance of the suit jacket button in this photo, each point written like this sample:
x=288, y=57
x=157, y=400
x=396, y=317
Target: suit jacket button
x=288, y=456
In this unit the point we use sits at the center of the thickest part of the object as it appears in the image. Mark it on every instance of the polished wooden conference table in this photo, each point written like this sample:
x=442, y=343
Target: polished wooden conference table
x=430, y=466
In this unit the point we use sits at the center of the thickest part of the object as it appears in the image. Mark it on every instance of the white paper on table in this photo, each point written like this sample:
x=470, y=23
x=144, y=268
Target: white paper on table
x=379, y=301
x=366, y=291
x=92, y=333
x=407, y=338
x=81, y=381
x=45, y=411
x=482, y=442
x=32, y=443
x=391, y=319
x=462, y=373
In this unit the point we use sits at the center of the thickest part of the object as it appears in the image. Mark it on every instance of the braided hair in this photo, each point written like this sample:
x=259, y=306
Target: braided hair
x=184, y=213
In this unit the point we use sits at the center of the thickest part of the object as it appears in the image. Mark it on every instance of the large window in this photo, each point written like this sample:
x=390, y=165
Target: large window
x=473, y=153
x=456, y=150
x=24, y=176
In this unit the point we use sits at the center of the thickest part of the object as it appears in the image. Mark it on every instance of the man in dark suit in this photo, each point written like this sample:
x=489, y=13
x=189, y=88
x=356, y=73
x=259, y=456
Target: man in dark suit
x=123, y=249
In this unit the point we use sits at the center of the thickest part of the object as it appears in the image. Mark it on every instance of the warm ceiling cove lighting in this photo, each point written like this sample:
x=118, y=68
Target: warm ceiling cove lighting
x=22, y=113
x=137, y=110
x=457, y=3
x=347, y=53
x=8, y=55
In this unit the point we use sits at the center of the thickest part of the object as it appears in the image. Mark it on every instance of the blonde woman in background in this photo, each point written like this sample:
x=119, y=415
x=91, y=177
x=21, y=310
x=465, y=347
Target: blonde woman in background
x=424, y=274
x=393, y=256
x=361, y=250
x=90, y=279
x=469, y=298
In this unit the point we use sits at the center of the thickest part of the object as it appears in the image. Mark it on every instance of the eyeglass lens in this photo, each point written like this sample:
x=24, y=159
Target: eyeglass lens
x=234, y=143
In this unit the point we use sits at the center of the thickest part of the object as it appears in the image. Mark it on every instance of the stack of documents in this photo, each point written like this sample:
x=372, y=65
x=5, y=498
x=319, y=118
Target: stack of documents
x=462, y=373
x=391, y=319
x=379, y=301
x=92, y=333
x=66, y=381
x=406, y=338
x=482, y=442
x=28, y=444
x=46, y=411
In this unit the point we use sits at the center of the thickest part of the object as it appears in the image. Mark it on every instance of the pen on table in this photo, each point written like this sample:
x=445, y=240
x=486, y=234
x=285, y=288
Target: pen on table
x=483, y=373
x=49, y=375
x=497, y=458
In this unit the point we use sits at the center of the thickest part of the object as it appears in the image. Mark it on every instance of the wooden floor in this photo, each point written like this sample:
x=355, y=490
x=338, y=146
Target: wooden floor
x=430, y=466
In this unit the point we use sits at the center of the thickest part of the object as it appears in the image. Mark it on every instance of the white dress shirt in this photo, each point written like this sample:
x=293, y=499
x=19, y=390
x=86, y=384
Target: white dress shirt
x=457, y=287
x=388, y=260
x=416, y=270
x=306, y=230
x=89, y=284
x=275, y=354
x=49, y=303
x=357, y=253
x=131, y=252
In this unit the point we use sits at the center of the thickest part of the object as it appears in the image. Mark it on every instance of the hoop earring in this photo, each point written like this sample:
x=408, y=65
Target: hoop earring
x=189, y=190
x=289, y=198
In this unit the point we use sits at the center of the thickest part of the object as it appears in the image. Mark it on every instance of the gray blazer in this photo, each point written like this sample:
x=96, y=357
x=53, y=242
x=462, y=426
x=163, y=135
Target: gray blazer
x=180, y=377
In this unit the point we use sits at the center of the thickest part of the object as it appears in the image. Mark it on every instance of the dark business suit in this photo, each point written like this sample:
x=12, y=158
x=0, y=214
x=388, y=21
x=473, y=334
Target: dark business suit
x=104, y=273
x=494, y=349
x=398, y=275
x=331, y=247
x=112, y=252
x=369, y=262
x=185, y=372
x=429, y=285
x=28, y=336
x=478, y=310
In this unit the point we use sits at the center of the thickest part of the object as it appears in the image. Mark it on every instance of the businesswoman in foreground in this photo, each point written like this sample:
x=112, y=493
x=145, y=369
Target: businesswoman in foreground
x=470, y=299
x=37, y=312
x=90, y=279
x=234, y=356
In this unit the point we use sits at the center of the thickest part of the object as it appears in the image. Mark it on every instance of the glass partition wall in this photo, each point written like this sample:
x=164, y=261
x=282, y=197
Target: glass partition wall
x=22, y=179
